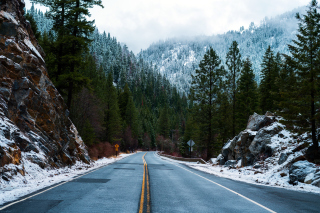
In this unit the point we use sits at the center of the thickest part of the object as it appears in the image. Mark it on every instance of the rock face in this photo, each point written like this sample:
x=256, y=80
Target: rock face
x=34, y=122
x=254, y=142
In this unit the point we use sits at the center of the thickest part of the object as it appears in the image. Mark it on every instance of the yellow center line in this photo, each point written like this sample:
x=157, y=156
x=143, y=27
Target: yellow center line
x=143, y=183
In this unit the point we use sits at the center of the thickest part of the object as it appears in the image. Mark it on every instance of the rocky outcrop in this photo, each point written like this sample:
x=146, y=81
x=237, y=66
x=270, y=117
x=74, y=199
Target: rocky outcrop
x=34, y=119
x=267, y=145
x=254, y=142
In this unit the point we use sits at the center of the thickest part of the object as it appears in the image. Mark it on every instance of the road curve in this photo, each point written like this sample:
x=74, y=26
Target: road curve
x=168, y=187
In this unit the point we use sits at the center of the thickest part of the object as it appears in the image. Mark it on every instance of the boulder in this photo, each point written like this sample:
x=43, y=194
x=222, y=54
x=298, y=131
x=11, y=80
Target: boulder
x=293, y=179
x=254, y=120
x=220, y=159
x=261, y=141
x=248, y=160
x=257, y=122
x=309, y=178
x=227, y=150
x=213, y=161
x=257, y=166
x=241, y=151
x=316, y=183
x=299, y=170
x=283, y=157
x=230, y=163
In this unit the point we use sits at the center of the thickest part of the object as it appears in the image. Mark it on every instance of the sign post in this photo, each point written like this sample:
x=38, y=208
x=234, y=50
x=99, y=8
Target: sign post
x=117, y=149
x=190, y=143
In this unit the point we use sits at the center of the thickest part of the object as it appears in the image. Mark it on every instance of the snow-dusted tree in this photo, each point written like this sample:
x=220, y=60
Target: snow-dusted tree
x=248, y=94
x=205, y=87
x=267, y=84
x=305, y=59
x=234, y=65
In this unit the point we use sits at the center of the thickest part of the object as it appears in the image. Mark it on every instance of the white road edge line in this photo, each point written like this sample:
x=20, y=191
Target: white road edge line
x=18, y=201
x=258, y=204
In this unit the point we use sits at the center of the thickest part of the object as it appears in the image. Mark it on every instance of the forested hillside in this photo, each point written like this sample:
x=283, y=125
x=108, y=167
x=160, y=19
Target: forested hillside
x=178, y=58
x=118, y=98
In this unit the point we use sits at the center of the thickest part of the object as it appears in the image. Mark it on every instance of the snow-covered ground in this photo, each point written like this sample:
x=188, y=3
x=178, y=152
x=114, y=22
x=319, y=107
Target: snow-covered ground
x=254, y=176
x=37, y=178
x=261, y=176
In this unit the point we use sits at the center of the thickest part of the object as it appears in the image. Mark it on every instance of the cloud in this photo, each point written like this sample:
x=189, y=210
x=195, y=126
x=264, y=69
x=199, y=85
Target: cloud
x=141, y=22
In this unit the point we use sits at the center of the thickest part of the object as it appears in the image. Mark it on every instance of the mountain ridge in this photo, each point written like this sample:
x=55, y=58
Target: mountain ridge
x=177, y=58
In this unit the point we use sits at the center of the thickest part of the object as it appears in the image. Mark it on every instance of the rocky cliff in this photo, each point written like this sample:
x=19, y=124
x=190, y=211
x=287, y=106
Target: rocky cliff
x=34, y=122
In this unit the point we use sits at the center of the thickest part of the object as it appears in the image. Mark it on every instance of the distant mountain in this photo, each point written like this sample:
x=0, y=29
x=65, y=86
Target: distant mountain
x=177, y=58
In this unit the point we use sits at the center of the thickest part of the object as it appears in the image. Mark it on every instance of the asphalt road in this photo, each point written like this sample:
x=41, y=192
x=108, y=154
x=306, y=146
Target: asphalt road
x=150, y=184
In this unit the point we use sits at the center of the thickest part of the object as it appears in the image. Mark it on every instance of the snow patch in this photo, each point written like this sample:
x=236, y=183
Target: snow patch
x=30, y=45
x=9, y=17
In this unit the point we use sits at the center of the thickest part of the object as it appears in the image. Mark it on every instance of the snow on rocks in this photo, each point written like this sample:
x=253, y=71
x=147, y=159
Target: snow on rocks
x=9, y=17
x=36, y=178
x=32, y=48
x=304, y=172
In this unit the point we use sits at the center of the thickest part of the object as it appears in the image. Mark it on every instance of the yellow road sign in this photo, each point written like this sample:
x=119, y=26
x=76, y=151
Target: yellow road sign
x=116, y=146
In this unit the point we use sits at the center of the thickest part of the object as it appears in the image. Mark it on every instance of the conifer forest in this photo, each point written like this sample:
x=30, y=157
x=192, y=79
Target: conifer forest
x=202, y=89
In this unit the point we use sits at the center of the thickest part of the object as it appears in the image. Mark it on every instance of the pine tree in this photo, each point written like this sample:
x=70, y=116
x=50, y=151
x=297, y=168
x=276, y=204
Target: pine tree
x=234, y=65
x=123, y=101
x=224, y=121
x=305, y=61
x=163, y=125
x=248, y=94
x=73, y=31
x=205, y=87
x=278, y=63
x=112, y=113
x=289, y=96
x=267, y=81
x=131, y=117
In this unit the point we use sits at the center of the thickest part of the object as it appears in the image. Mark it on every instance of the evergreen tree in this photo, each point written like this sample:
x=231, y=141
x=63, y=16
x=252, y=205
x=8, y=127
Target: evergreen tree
x=164, y=127
x=131, y=117
x=248, y=94
x=73, y=31
x=123, y=101
x=33, y=24
x=278, y=63
x=224, y=119
x=205, y=87
x=112, y=113
x=289, y=96
x=305, y=60
x=79, y=40
x=267, y=83
x=234, y=64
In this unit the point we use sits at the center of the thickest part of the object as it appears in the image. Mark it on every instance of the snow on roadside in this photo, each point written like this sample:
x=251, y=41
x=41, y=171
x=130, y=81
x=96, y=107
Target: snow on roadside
x=255, y=176
x=37, y=178
x=271, y=177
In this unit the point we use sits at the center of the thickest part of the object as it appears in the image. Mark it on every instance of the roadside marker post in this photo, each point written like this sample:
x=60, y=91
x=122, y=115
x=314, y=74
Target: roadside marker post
x=117, y=149
x=190, y=143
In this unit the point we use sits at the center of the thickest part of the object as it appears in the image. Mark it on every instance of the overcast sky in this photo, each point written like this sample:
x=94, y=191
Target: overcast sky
x=138, y=23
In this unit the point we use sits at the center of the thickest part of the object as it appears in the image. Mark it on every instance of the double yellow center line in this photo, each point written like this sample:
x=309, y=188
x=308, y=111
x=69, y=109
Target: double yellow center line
x=145, y=181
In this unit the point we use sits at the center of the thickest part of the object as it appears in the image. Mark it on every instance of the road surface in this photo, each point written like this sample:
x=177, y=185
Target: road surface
x=144, y=182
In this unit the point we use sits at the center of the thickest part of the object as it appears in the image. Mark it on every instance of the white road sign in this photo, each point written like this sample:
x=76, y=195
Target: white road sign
x=191, y=143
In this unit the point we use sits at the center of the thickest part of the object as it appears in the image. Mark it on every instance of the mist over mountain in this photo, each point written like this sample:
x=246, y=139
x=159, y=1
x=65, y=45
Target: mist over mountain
x=178, y=58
